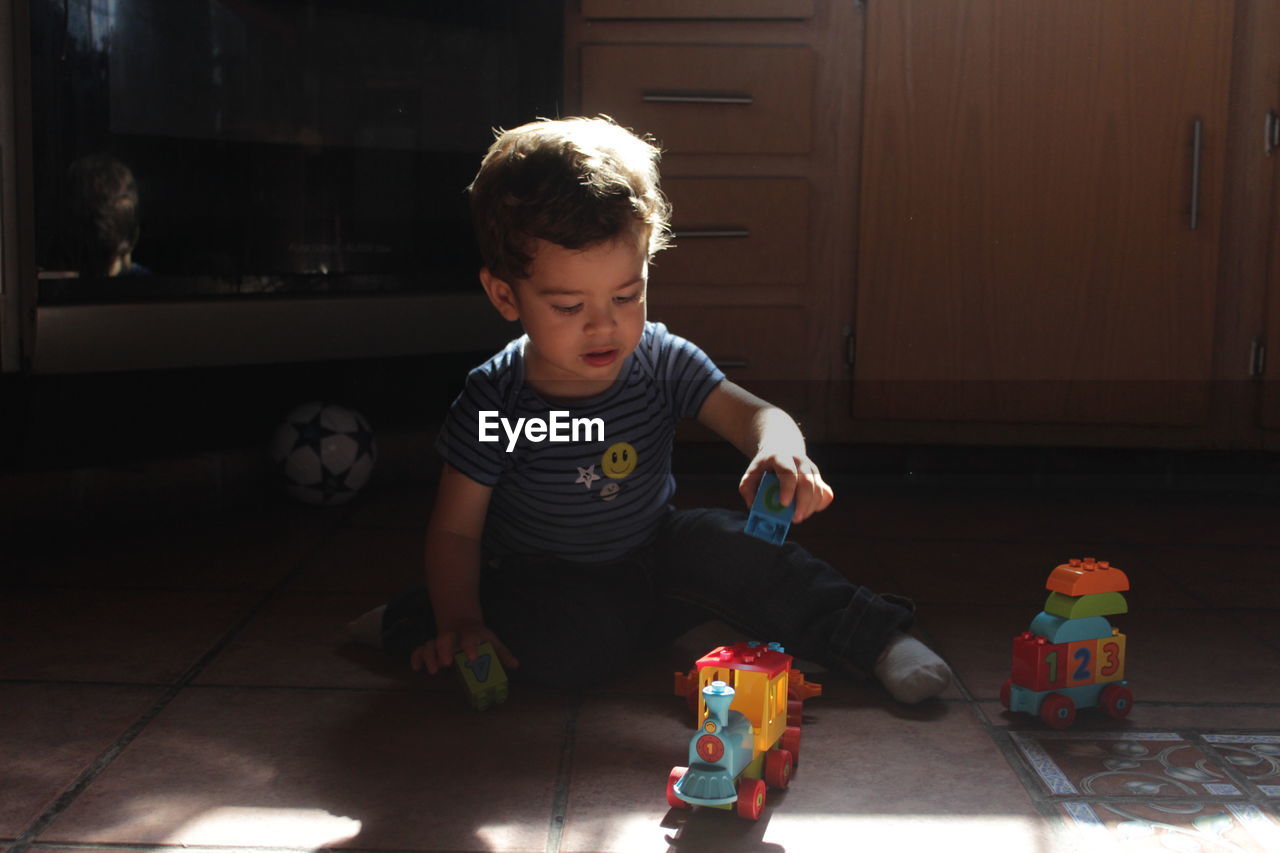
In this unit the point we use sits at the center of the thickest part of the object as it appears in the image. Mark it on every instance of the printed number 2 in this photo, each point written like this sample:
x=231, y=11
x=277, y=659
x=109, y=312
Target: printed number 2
x=1082, y=672
x=1112, y=663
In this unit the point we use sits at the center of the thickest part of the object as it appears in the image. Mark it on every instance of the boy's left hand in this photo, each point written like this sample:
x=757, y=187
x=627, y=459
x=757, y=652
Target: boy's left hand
x=798, y=480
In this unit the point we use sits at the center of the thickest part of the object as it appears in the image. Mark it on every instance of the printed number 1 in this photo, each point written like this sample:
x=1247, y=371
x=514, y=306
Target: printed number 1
x=1082, y=672
x=1051, y=660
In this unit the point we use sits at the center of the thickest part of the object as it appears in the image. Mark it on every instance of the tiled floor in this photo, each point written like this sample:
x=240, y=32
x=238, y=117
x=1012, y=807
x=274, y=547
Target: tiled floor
x=188, y=685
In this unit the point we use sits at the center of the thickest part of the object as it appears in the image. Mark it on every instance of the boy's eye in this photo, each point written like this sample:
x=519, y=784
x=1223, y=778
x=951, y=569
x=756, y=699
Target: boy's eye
x=621, y=300
x=567, y=309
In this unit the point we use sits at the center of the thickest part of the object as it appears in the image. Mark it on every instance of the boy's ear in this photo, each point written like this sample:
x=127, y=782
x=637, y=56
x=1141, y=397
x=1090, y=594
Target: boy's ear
x=500, y=294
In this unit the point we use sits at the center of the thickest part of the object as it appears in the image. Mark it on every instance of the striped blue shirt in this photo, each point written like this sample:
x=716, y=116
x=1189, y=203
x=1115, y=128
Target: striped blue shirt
x=586, y=500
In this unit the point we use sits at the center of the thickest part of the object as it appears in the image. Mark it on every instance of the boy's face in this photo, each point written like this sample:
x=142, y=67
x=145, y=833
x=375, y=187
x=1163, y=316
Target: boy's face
x=583, y=310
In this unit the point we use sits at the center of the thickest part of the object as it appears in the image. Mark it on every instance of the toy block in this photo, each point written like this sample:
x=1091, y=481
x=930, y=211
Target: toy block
x=769, y=519
x=799, y=689
x=1055, y=629
x=484, y=677
x=1038, y=664
x=1082, y=606
x=1087, y=577
x=1111, y=657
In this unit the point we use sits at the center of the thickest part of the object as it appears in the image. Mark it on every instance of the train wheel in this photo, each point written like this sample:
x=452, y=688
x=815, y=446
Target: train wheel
x=795, y=712
x=790, y=741
x=750, y=798
x=777, y=768
x=672, y=799
x=1116, y=700
x=1006, y=692
x=1058, y=711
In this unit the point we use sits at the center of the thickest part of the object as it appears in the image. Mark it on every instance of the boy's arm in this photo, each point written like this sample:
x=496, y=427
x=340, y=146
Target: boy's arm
x=453, y=572
x=772, y=440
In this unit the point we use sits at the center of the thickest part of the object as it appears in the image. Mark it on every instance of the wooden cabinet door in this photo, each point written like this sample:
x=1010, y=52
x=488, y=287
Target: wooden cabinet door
x=1026, y=249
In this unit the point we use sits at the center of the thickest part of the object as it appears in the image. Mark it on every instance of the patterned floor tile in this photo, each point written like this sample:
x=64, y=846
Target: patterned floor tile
x=1172, y=825
x=1124, y=764
x=1256, y=757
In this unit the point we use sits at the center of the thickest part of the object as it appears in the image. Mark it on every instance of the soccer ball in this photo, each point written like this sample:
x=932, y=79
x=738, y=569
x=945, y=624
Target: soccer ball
x=324, y=453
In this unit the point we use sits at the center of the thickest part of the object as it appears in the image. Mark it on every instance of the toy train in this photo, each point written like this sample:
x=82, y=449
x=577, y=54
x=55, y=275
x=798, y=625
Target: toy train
x=749, y=708
x=1071, y=657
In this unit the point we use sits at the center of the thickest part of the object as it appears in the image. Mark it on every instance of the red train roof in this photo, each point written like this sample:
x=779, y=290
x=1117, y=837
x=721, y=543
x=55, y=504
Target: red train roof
x=745, y=656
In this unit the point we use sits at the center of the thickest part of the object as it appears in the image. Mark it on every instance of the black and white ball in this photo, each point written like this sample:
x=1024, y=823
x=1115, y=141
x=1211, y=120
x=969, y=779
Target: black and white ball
x=324, y=453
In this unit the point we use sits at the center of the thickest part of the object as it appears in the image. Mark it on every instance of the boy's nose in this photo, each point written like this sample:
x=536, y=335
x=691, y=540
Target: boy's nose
x=600, y=317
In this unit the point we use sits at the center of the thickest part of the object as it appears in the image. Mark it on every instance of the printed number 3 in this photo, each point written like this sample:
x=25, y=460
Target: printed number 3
x=1111, y=651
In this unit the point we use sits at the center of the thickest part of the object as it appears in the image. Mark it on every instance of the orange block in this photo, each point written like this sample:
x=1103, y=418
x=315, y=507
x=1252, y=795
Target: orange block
x=1087, y=577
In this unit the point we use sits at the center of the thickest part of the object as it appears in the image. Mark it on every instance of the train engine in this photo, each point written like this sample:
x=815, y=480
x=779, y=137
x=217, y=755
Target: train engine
x=1071, y=657
x=748, y=728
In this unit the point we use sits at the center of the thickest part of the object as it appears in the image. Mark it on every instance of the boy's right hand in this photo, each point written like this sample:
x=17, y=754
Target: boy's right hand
x=436, y=654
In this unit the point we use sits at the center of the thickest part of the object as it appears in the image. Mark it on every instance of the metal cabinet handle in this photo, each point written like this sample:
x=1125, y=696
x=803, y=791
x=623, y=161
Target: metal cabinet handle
x=703, y=233
x=1197, y=148
x=1271, y=132
x=698, y=98
x=730, y=363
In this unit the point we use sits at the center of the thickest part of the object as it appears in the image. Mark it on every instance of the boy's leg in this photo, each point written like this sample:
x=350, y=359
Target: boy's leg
x=788, y=595
x=568, y=624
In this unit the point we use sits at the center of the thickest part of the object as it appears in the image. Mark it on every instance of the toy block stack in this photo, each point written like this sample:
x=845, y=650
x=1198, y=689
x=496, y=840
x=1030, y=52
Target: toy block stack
x=1071, y=657
x=1082, y=593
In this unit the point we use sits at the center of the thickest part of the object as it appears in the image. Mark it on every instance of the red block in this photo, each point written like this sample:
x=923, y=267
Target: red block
x=1038, y=664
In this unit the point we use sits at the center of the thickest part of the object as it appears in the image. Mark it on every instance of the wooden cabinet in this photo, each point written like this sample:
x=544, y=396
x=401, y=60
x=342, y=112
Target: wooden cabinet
x=705, y=99
x=1013, y=221
x=1041, y=210
x=696, y=9
x=751, y=102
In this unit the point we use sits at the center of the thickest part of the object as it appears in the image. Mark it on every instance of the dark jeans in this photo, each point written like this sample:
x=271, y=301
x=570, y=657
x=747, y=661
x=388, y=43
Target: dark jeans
x=568, y=622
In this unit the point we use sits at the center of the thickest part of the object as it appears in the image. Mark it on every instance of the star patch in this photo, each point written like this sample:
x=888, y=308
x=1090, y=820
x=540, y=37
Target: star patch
x=587, y=476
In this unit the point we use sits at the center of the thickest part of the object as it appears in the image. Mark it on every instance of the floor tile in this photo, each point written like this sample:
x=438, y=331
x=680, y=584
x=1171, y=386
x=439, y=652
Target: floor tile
x=298, y=639
x=1148, y=715
x=1168, y=825
x=1172, y=656
x=1138, y=764
x=240, y=550
x=1256, y=757
x=365, y=559
x=368, y=769
x=147, y=636
x=955, y=571
x=1236, y=576
x=977, y=645
x=407, y=507
x=50, y=734
x=854, y=778
x=1197, y=656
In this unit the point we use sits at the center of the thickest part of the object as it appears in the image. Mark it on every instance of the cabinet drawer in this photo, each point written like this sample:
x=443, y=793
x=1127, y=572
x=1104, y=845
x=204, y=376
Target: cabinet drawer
x=736, y=231
x=698, y=9
x=705, y=99
x=764, y=350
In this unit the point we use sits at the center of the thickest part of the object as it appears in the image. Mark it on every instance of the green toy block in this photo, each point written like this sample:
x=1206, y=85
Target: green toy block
x=1084, y=606
x=484, y=677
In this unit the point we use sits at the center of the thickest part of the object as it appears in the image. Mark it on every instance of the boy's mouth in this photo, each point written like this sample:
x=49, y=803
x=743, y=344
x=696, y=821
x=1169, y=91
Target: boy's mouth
x=600, y=357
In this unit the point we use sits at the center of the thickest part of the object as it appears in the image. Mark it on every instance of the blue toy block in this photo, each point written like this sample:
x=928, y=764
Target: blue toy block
x=1055, y=629
x=769, y=519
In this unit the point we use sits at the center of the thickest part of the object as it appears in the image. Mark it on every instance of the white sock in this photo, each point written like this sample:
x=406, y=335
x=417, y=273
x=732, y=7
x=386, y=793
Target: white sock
x=367, y=629
x=910, y=671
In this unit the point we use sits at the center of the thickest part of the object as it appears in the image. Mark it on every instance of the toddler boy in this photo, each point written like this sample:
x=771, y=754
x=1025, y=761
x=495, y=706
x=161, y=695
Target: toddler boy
x=552, y=535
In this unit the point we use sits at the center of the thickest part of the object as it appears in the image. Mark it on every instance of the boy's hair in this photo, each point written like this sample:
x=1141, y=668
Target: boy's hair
x=576, y=182
x=103, y=200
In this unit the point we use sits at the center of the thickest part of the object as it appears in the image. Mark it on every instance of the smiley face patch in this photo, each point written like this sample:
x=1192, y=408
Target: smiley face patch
x=618, y=461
